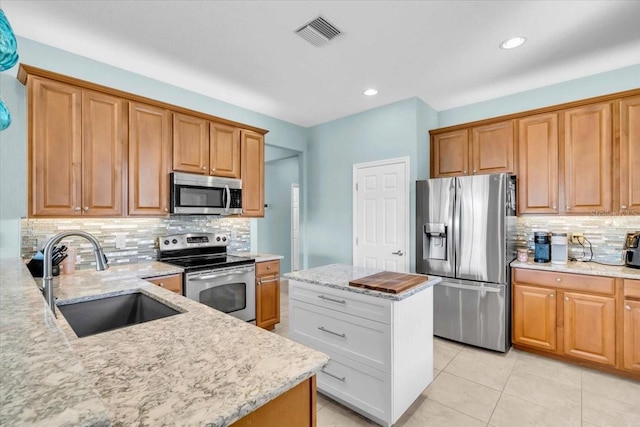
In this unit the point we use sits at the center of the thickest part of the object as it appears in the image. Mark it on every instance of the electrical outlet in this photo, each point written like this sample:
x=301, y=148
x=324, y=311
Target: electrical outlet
x=121, y=240
x=577, y=237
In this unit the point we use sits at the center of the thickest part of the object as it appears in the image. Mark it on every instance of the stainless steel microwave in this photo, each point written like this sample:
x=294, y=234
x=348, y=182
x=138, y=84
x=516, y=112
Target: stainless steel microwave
x=205, y=195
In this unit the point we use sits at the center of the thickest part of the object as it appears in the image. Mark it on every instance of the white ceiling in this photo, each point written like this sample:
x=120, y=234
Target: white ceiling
x=246, y=52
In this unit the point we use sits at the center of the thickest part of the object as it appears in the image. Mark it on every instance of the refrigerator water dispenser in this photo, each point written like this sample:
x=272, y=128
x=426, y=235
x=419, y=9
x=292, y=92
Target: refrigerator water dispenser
x=434, y=241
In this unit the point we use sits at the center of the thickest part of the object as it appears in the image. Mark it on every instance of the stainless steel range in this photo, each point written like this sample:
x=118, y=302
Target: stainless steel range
x=211, y=277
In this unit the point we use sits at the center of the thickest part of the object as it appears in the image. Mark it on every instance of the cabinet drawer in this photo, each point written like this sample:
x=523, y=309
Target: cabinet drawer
x=632, y=288
x=268, y=268
x=577, y=282
x=368, y=307
x=358, y=339
x=365, y=388
x=170, y=283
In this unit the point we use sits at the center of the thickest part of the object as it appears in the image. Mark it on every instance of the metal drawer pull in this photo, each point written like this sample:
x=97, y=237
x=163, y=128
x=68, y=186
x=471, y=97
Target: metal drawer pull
x=333, y=376
x=339, y=301
x=269, y=280
x=331, y=332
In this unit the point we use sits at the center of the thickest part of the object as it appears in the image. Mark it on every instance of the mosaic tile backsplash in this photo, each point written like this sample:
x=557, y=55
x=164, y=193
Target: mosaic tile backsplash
x=606, y=233
x=141, y=235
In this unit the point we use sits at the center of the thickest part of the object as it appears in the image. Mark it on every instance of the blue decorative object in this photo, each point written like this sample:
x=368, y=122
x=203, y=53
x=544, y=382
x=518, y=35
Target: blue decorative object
x=5, y=117
x=8, y=45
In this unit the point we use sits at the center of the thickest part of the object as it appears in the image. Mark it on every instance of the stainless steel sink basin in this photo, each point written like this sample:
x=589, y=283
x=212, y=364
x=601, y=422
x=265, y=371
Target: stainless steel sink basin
x=106, y=314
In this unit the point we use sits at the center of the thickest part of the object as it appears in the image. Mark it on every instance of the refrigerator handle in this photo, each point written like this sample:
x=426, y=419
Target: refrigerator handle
x=457, y=213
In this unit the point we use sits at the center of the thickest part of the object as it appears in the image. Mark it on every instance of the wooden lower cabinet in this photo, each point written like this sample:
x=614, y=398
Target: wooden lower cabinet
x=171, y=283
x=589, y=327
x=589, y=320
x=296, y=407
x=267, y=294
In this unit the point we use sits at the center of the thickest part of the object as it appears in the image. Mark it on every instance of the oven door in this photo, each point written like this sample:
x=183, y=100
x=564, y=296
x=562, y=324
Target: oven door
x=231, y=290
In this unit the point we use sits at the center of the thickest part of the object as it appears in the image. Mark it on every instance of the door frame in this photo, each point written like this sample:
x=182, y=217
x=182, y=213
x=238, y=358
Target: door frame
x=406, y=161
x=293, y=185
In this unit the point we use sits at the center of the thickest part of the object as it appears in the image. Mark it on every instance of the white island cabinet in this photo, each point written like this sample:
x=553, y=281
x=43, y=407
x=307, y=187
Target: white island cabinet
x=380, y=344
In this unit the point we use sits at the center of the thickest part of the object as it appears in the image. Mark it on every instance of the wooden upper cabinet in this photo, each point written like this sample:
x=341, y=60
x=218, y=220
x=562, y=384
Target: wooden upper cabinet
x=538, y=164
x=55, y=148
x=76, y=151
x=190, y=144
x=492, y=148
x=588, y=159
x=629, y=154
x=450, y=154
x=224, y=159
x=252, y=163
x=149, y=159
x=102, y=154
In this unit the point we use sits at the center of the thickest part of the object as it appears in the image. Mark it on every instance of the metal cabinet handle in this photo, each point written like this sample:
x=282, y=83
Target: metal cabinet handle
x=165, y=209
x=558, y=280
x=566, y=298
x=333, y=376
x=268, y=281
x=399, y=253
x=552, y=296
x=627, y=307
x=322, y=328
x=474, y=171
x=568, y=207
x=623, y=206
x=204, y=168
x=77, y=209
x=86, y=208
x=554, y=207
x=464, y=172
x=161, y=284
x=213, y=169
x=339, y=301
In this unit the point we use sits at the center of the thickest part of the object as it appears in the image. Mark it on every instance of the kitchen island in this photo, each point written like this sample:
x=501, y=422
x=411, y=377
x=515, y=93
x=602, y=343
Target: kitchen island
x=381, y=344
x=194, y=368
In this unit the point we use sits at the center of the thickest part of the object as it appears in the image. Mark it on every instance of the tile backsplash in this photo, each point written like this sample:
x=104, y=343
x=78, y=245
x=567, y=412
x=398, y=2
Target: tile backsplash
x=606, y=233
x=141, y=235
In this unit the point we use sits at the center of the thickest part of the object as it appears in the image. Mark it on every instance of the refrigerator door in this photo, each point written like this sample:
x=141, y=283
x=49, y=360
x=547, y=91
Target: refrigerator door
x=472, y=312
x=435, y=253
x=480, y=229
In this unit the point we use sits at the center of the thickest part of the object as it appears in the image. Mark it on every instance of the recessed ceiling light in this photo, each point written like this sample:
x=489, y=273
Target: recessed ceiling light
x=513, y=42
x=370, y=92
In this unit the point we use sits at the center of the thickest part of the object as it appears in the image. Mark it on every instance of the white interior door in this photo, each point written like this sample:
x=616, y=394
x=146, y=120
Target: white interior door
x=381, y=215
x=295, y=227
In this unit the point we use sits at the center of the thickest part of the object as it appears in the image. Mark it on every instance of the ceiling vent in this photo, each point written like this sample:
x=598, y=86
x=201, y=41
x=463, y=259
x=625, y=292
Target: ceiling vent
x=318, y=32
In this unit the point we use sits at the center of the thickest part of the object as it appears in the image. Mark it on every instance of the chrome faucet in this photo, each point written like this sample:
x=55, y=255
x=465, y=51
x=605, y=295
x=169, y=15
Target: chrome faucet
x=47, y=277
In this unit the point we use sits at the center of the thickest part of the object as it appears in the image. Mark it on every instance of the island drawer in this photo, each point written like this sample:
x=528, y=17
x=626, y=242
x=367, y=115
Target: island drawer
x=358, y=339
x=365, y=388
x=632, y=288
x=575, y=282
x=365, y=306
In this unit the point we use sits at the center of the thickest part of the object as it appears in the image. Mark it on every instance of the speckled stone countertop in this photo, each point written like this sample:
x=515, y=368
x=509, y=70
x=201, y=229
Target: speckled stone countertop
x=258, y=257
x=337, y=276
x=198, y=367
x=579, y=267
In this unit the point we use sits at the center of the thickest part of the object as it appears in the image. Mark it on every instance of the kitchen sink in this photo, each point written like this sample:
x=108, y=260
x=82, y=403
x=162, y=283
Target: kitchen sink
x=106, y=314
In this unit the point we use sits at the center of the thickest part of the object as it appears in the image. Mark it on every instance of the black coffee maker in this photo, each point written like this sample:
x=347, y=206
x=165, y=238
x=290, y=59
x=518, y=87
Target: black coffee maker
x=632, y=248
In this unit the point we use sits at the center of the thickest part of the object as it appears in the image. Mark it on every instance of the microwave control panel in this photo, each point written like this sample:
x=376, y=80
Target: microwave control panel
x=236, y=198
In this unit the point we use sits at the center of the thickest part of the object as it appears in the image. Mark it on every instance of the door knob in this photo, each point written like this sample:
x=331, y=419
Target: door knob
x=399, y=253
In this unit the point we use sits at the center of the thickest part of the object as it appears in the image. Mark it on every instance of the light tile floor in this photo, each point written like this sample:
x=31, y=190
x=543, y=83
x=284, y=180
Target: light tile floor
x=474, y=387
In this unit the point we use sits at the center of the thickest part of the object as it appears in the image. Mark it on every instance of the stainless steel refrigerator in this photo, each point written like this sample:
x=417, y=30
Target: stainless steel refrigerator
x=465, y=233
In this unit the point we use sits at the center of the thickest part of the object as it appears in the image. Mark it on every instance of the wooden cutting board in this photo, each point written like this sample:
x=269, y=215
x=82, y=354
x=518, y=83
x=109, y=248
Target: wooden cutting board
x=389, y=282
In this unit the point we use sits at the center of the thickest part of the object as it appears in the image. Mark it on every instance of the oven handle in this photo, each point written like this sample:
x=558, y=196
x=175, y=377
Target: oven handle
x=213, y=276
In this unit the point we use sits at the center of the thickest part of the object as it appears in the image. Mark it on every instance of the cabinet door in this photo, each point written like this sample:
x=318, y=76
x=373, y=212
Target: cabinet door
x=630, y=154
x=171, y=283
x=252, y=164
x=190, y=144
x=225, y=151
x=589, y=327
x=55, y=148
x=149, y=166
x=492, y=148
x=534, y=317
x=267, y=301
x=450, y=154
x=588, y=159
x=102, y=154
x=538, y=164
x=631, y=335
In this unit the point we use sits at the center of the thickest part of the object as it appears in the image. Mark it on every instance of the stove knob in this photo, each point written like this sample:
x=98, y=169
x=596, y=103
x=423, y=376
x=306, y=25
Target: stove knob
x=218, y=239
x=166, y=242
x=174, y=241
x=224, y=239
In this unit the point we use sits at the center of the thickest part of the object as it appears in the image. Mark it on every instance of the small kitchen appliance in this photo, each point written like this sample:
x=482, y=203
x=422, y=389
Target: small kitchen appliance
x=542, y=251
x=193, y=194
x=632, y=247
x=559, y=248
x=224, y=282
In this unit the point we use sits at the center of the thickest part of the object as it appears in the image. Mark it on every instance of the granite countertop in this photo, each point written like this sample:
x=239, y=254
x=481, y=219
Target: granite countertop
x=337, y=276
x=580, y=267
x=258, y=257
x=198, y=367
